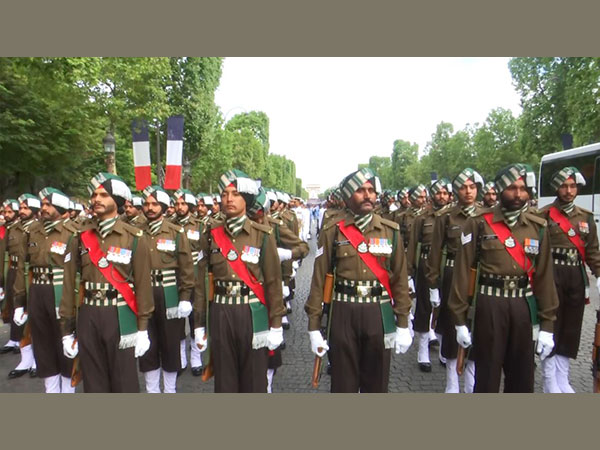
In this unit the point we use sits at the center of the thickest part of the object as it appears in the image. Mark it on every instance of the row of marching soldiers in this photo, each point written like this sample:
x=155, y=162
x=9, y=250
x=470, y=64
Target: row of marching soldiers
x=493, y=280
x=107, y=294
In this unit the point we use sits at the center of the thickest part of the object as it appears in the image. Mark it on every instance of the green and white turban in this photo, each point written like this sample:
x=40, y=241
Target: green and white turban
x=245, y=185
x=137, y=201
x=511, y=173
x=355, y=180
x=31, y=201
x=564, y=174
x=12, y=204
x=402, y=192
x=188, y=197
x=271, y=195
x=488, y=186
x=261, y=202
x=416, y=192
x=57, y=198
x=114, y=185
x=159, y=194
x=336, y=194
x=438, y=185
x=467, y=174
x=206, y=198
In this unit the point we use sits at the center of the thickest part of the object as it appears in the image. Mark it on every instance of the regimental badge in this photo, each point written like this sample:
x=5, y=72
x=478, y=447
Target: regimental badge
x=102, y=263
x=193, y=235
x=571, y=232
x=510, y=242
x=584, y=227
x=380, y=246
x=167, y=245
x=119, y=255
x=232, y=255
x=250, y=254
x=532, y=246
x=362, y=247
x=58, y=247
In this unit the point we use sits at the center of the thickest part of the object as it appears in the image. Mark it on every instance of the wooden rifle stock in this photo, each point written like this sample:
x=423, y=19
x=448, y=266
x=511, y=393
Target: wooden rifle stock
x=596, y=355
x=316, y=374
x=208, y=373
x=211, y=286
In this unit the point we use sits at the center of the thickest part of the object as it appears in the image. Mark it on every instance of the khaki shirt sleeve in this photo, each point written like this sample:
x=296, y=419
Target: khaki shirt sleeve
x=271, y=271
x=592, y=254
x=200, y=295
x=399, y=284
x=292, y=242
x=459, y=300
x=2, y=256
x=185, y=268
x=67, y=309
x=20, y=288
x=411, y=251
x=322, y=265
x=432, y=268
x=143, y=286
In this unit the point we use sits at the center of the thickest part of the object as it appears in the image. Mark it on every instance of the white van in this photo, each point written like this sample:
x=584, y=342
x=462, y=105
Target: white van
x=587, y=160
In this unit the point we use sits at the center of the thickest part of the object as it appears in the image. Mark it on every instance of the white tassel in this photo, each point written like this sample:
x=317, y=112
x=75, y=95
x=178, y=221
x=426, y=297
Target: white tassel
x=259, y=340
x=128, y=341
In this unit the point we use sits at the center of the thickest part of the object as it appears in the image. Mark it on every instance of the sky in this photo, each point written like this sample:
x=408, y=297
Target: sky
x=330, y=114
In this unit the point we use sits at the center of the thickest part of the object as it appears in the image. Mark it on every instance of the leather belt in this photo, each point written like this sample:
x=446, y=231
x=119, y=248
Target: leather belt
x=362, y=291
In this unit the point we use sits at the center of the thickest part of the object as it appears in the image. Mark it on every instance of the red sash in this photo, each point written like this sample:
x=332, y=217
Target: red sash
x=237, y=265
x=2, y=232
x=565, y=225
x=355, y=237
x=90, y=241
x=516, y=252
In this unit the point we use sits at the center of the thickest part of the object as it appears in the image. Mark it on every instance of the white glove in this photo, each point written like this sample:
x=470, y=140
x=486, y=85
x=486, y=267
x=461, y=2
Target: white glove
x=1, y=294
x=286, y=290
x=295, y=265
x=402, y=340
x=19, y=316
x=142, y=343
x=434, y=297
x=70, y=346
x=274, y=338
x=598, y=283
x=411, y=285
x=284, y=254
x=463, y=337
x=317, y=344
x=184, y=308
x=545, y=344
x=200, y=338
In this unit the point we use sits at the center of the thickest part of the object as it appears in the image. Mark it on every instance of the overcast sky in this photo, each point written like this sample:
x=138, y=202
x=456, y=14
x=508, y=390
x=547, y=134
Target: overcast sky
x=330, y=114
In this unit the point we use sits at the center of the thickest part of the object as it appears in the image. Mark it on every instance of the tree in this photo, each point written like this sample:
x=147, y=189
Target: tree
x=404, y=157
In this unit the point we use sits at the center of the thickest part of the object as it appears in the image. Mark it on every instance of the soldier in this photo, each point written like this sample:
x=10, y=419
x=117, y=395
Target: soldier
x=133, y=212
x=216, y=208
x=404, y=203
x=371, y=286
x=444, y=244
x=112, y=321
x=245, y=314
x=173, y=282
x=204, y=203
x=46, y=247
x=417, y=254
x=490, y=197
x=573, y=241
x=513, y=252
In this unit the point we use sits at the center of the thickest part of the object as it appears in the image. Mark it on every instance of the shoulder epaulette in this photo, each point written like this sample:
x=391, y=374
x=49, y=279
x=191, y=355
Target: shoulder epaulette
x=586, y=211
x=536, y=218
x=390, y=223
x=134, y=231
x=264, y=228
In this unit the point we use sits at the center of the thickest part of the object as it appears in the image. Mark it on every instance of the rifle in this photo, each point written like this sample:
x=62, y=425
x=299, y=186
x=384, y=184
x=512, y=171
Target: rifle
x=596, y=355
x=208, y=371
x=76, y=374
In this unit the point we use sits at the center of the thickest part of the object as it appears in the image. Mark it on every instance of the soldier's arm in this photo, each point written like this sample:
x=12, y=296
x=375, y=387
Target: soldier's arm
x=459, y=300
x=143, y=286
x=592, y=254
x=2, y=256
x=432, y=268
x=68, y=302
x=185, y=268
x=314, y=303
x=200, y=285
x=292, y=242
x=411, y=251
x=20, y=289
x=271, y=271
x=544, y=287
x=399, y=283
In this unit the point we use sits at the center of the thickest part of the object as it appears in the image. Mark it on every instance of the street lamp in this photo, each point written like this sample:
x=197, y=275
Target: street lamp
x=109, y=150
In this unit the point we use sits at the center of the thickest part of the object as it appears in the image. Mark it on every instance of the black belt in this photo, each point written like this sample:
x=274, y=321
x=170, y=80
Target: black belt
x=425, y=248
x=450, y=255
x=93, y=294
x=352, y=290
x=157, y=278
x=43, y=276
x=222, y=290
x=565, y=257
x=503, y=284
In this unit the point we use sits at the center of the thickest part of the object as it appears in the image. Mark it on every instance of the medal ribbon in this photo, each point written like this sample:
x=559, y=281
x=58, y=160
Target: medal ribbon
x=90, y=241
x=565, y=225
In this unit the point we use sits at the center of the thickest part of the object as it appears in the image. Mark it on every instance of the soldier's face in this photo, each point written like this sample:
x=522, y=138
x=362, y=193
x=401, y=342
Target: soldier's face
x=274, y=205
x=49, y=212
x=420, y=200
x=363, y=200
x=490, y=198
x=152, y=209
x=130, y=210
x=103, y=205
x=202, y=209
x=441, y=197
x=234, y=204
x=567, y=191
x=181, y=207
x=405, y=201
x=215, y=207
x=467, y=193
x=25, y=213
x=9, y=214
x=515, y=196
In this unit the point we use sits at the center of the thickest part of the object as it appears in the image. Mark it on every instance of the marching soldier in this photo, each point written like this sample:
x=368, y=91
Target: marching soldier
x=204, y=203
x=133, y=212
x=417, y=254
x=516, y=287
x=111, y=318
x=370, y=289
x=216, y=213
x=47, y=245
x=574, y=242
x=245, y=314
x=173, y=283
x=404, y=203
x=440, y=267
x=490, y=197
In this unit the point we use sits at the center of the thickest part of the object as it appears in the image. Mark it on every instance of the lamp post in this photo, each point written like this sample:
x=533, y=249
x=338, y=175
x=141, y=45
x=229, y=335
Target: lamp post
x=187, y=167
x=109, y=150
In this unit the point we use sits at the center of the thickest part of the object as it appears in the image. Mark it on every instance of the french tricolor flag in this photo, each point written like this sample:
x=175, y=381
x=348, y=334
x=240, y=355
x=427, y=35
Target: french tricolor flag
x=141, y=154
x=174, y=152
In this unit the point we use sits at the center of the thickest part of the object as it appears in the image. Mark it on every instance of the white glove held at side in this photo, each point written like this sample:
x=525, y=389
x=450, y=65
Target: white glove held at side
x=317, y=344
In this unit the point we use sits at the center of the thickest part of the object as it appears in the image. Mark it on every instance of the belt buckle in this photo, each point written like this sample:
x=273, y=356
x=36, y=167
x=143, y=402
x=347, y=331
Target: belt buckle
x=363, y=291
x=43, y=277
x=510, y=284
x=572, y=257
x=98, y=295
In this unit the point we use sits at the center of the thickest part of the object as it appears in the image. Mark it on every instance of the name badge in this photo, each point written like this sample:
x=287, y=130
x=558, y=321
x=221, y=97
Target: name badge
x=119, y=255
x=58, y=247
x=532, y=246
x=166, y=245
x=584, y=227
x=380, y=246
x=250, y=254
x=193, y=235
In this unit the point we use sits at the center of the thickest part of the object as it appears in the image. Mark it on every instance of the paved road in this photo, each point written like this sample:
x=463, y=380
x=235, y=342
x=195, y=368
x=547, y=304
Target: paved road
x=294, y=376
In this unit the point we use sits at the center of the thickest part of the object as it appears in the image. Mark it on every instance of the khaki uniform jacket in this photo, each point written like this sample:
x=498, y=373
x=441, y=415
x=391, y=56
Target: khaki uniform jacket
x=583, y=223
x=2, y=256
x=179, y=259
x=448, y=225
x=138, y=221
x=350, y=266
x=267, y=271
x=16, y=247
x=137, y=270
x=40, y=253
x=285, y=238
x=421, y=231
x=406, y=221
x=329, y=215
x=496, y=260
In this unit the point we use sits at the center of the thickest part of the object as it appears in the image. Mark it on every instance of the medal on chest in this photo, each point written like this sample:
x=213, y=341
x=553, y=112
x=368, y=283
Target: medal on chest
x=103, y=263
x=532, y=246
x=584, y=227
x=232, y=255
x=193, y=235
x=58, y=247
x=166, y=245
x=571, y=232
x=379, y=246
x=362, y=247
x=250, y=254
x=119, y=255
x=510, y=242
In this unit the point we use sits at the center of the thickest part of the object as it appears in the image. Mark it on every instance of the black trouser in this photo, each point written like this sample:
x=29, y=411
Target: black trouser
x=104, y=367
x=571, y=304
x=445, y=324
x=422, y=321
x=16, y=331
